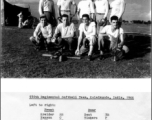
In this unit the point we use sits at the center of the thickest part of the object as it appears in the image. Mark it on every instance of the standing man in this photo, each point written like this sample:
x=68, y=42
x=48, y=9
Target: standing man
x=42, y=34
x=86, y=7
x=117, y=9
x=65, y=33
x=47, y=7
x=102, y=9
x=87, y=33
x=114, y=34
x=64, y=7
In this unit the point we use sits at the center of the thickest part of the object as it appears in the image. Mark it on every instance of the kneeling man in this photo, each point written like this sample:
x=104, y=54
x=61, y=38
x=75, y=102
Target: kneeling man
x=42, y=34
x=87, y=33
x=65, y=33
x=114, y=34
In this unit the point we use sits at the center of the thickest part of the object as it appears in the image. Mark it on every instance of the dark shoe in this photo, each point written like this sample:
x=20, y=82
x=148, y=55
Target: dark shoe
x=90, y=58
x=101, y=57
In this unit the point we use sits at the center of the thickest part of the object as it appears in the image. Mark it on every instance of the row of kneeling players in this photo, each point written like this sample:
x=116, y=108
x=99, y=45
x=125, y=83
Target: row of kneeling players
x=88, y=37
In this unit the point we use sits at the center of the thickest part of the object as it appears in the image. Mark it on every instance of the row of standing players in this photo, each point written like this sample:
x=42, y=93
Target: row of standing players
x=93, y=33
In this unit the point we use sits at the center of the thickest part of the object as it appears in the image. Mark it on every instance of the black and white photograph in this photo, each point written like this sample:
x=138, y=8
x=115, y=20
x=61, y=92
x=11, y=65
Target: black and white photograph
x=75, y=38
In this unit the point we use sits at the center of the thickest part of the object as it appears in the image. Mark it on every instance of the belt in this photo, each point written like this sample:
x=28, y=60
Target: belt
x=100, y=13
x=66, y=10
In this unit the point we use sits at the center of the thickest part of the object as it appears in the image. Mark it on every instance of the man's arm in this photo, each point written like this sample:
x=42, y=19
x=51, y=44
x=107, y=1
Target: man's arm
x=37, y=30
x=121, y=37
x=59, y=9
x=77, y=52
x=41, y=7
x=57, y=31
x=78, y=11
x=92, y=9
x=79, y=40
x=107, y=9
x=122, y=8
x=53, y=11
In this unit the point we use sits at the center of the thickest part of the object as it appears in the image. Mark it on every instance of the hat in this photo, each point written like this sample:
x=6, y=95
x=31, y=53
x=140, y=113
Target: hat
x=42, y=16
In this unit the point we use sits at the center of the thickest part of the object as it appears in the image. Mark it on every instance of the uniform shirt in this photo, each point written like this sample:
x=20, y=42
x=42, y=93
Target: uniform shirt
x=115, y=6
x=65, y=4
x=46, y=5
x=89, y=32
x=46, y=31
x=101, y=6
x=65, y=31
x=116, y=34
x=86, y=7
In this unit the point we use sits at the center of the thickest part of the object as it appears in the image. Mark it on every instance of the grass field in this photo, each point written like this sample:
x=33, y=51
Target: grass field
x=21, y=60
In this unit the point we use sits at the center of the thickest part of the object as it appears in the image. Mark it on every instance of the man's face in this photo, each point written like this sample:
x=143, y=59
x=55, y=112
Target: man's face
x=85, y=20
x=114, y=23
x=64, y=20
x=43, y=21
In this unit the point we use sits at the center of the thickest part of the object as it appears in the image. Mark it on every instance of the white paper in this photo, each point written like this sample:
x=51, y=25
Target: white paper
x=76, y=106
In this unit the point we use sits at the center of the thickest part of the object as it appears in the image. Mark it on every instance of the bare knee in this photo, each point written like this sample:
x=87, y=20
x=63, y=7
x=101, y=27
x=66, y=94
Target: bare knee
x=32, y=38
x=100, y=37
x=125, y=48
x=48, y=40
x=92, y=40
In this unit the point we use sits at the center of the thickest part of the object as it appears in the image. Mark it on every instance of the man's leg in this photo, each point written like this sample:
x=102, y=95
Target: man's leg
x=92, y=41
x=47, y=43
x=101, y=43
x=70, y=43
x=36, y=42
x=33, y=40
x=100, y=23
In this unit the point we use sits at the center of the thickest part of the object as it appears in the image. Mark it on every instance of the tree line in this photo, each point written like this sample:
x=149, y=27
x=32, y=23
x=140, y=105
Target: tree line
x=137, y=21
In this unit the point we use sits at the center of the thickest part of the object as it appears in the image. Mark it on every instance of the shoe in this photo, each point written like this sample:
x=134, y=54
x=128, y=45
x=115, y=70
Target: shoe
x=90, y=58
x=101, y=57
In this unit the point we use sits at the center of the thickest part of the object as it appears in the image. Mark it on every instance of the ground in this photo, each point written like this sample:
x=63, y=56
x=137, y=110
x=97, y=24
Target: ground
x=21, y=60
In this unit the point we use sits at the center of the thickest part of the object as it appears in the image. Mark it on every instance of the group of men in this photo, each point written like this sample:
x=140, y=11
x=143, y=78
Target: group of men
x=93, y=29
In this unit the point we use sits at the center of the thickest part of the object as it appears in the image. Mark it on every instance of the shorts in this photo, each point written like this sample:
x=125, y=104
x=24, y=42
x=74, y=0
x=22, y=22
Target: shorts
x=99, y=17
x=50, y=18
x=111, y=44
x=92, y=39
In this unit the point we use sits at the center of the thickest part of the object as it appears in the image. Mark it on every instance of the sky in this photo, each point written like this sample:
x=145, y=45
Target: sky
x=135, y=9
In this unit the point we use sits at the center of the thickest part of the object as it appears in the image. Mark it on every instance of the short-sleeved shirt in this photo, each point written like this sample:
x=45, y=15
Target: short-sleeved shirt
x=115, y=6
x=46, y=31
x=65, y=4
x=46, y=5
x=65, y=31
x=116, y=34
x=101, y=6
x=86, y=7
x=89, y=31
